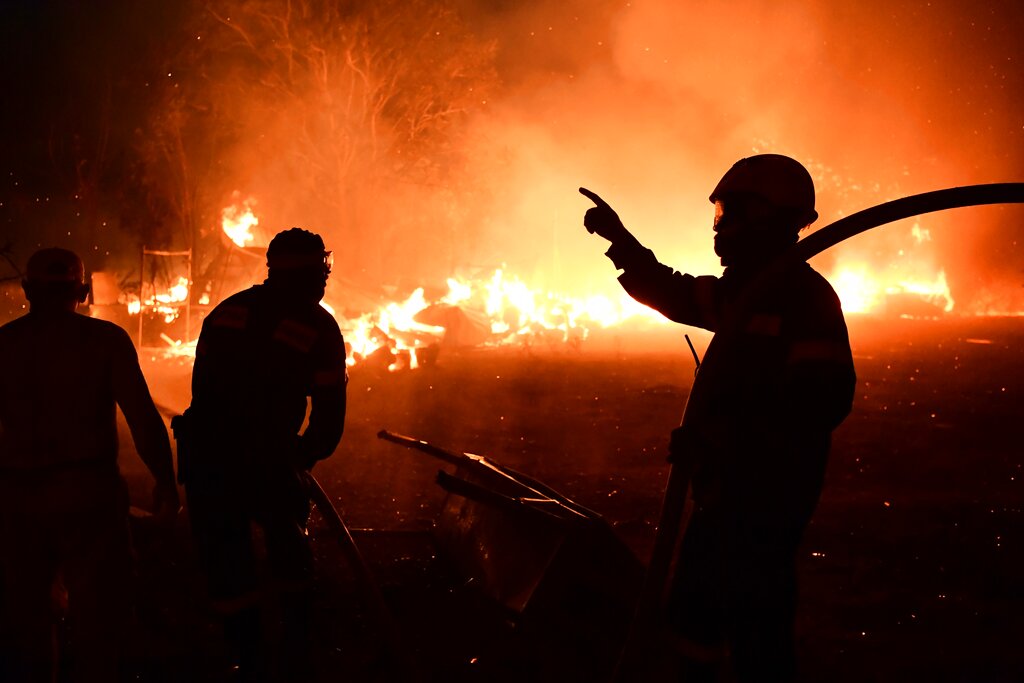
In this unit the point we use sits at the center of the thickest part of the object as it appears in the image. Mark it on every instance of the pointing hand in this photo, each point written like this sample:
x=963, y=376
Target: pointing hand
x=602, y=219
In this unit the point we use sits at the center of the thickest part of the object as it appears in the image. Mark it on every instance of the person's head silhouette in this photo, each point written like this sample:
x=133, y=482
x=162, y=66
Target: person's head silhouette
x=55, y=280
x=298, y=263
x=761, y=204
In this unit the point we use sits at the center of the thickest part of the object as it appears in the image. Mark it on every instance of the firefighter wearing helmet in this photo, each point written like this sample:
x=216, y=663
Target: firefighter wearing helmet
x=63, y=503
x=261, y=354
x=757, y=434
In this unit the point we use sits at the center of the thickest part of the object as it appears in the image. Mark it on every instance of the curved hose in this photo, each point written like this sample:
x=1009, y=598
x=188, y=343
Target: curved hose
x=915, y=205
x=873, y=217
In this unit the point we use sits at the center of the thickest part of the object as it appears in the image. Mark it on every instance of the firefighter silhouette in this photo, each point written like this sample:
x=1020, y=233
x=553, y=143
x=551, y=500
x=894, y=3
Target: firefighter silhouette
x=758, y=433
x=63, y=503
x=261, y=354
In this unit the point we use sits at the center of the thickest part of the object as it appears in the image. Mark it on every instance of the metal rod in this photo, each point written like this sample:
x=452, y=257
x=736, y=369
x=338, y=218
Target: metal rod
x=696, y=358
x=159, y=252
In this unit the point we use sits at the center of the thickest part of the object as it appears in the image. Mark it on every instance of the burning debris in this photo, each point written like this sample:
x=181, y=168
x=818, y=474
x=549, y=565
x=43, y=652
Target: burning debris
x=862, y=291
x=908, y=286
x=497, y=308
x=161, y=302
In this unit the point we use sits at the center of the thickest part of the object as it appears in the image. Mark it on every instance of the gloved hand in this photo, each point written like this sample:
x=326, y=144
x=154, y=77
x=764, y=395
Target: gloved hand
x=602, y=219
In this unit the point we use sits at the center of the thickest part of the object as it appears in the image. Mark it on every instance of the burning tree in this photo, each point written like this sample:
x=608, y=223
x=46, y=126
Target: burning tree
x=331, y=113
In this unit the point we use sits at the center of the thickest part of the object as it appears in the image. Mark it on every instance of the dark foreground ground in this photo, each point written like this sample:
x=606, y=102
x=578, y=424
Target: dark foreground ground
x=912, y=570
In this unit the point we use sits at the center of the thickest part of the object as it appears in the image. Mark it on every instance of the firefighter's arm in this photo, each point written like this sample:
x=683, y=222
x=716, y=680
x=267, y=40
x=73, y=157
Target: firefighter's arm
x=679, y=297
x=144, y=422
x=328, y=403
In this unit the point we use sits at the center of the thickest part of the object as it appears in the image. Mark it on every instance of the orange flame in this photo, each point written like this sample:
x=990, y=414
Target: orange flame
x=909, y=285
x=504, y=308
x=162, y=303
x=238, y=220
x=862, y=290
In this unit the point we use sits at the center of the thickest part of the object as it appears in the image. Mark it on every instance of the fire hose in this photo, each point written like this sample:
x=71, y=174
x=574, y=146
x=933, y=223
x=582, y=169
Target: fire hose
x=673, y=519
x=393, y=656
x=394, y=653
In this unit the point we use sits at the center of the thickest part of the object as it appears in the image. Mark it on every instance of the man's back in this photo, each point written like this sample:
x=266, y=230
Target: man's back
x=258, y=358
x=61, y=373
x=61, y=377
x=261, y=353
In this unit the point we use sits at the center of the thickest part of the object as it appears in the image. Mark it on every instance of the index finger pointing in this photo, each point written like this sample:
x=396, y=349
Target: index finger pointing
x=593, y=196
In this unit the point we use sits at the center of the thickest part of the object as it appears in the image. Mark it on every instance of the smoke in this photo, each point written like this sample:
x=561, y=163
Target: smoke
x=649, y=102
x=646, y=102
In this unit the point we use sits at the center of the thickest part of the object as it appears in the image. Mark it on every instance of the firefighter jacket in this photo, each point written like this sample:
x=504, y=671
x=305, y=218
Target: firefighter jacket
x=62, y=375
x=259, y=356
x=773, y=384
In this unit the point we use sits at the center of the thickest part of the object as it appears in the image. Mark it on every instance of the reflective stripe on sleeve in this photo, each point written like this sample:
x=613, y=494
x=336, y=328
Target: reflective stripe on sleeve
x=765, y=324
x=234, y=317
x=296, y=335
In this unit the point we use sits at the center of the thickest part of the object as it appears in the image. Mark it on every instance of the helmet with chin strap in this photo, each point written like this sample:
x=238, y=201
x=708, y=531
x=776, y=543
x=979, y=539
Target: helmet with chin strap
x=779, y=180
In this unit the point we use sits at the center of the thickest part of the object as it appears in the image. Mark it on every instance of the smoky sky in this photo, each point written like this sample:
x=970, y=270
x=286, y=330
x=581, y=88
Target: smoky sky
x=649, y=102
x=645, y=102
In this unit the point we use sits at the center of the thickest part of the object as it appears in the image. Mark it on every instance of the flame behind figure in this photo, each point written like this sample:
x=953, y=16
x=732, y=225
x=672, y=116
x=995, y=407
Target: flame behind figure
x=499, y=310
x=861, y=291
x=162, y=302
x=502, y=309
x=238, y=220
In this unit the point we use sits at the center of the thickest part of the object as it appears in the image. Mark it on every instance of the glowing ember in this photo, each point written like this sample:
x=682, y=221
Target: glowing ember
x=238, y=220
